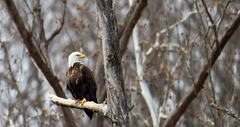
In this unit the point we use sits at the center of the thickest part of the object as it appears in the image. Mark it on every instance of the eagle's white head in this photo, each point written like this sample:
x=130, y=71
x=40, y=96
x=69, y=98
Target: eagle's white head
x=75, y=57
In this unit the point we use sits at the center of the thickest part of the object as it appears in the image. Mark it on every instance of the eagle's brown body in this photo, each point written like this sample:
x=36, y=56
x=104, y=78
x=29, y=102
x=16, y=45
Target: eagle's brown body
x=81, y=83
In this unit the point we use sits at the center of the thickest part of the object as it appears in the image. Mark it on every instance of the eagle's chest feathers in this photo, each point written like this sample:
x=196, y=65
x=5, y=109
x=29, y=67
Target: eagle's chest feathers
x=75, y=75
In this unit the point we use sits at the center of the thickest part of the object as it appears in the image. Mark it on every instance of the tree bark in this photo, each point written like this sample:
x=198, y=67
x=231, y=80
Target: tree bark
x=135, y=11
x=203, y=74
x=127, y=24
x=116, y=100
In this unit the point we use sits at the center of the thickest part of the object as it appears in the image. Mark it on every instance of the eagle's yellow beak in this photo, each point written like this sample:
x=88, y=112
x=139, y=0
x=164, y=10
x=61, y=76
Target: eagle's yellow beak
x=82, y=56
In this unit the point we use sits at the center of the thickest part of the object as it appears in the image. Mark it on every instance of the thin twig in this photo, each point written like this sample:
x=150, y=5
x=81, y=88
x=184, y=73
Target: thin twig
x=200, y=16
x=180, y=21
x=206, y=31
x=15, y=85
x=212, y=22
x=223, y=14
x=224, y=110
x=57, y=31
x=209, y=71
x=168, y=73
x=140, y=117
x=151, y=49
x=28, y=7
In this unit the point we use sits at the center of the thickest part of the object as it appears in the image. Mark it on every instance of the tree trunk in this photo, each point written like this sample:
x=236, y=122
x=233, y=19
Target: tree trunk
x=112, y=65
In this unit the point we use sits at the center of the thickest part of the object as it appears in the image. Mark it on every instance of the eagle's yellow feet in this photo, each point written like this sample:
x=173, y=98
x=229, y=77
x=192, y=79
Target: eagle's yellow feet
x=81, y=101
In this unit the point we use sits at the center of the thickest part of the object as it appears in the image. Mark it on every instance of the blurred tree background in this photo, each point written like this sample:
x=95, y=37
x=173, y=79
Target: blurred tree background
x=161, y=61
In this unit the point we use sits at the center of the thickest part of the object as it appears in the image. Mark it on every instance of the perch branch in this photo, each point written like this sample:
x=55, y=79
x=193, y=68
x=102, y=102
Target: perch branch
x=101, y=108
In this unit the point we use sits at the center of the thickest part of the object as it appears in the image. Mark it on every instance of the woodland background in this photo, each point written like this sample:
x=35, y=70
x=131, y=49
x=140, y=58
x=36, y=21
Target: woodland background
x=161, y=61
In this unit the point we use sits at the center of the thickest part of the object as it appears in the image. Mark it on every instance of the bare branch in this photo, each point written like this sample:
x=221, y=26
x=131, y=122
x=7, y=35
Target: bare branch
x=180, y=21
x=152, y=51
x=57, y=31
x=27, y=40
x=125, y=30
x=41, y=43
x=145, y=91
x=135, y=10
x=139, y=116
x=223, y=13
x=203, y=74
x=157, y=42
x=101, y=108
x=212, y=22
x=15, y=85
x=224, y=110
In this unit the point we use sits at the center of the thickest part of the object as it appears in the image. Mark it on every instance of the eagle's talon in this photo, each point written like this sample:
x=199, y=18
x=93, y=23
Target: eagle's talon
x=78, y=101
x=83, y=101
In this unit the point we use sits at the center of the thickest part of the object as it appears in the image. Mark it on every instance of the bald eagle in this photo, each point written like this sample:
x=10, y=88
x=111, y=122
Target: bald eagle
x=80, y=81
